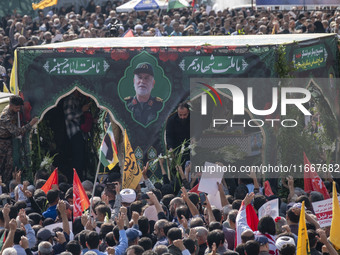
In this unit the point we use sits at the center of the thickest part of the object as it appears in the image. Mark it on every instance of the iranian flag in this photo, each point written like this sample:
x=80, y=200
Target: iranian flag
x=176, y=4
x=108, y=150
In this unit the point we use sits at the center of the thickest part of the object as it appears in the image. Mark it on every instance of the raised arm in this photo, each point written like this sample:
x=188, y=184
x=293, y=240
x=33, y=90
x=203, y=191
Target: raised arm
x=209, y=209
x=155, y=202
x=10, y=238
x=193, y=209
x=61, y=207
x=147, y=181
x=224, y=200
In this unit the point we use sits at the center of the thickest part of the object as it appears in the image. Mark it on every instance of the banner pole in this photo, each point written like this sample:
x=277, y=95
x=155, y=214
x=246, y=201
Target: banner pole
x=94, y=186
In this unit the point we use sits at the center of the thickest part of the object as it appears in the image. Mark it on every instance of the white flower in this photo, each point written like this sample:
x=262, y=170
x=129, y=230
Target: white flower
x=41, y=139
x=182, y=149
x=44, y=163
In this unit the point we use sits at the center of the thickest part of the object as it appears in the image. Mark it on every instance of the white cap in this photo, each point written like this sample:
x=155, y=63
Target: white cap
x=281, y=241
x=139, y=26
x=128, y=195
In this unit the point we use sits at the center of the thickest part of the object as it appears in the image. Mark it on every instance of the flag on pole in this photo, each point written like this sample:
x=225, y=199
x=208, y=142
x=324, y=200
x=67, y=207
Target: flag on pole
x=132, y=174
x=252, y=219
x=43, y=4
x=303, y=247
x=128, y=33
x=312, y=181
x=249, y=213
x=53, y=179
x=4, y=88
x=193, y=3
x=81, y=201
x=175, y=4
x=14, y=76
x=195, y=189
x=334, y=236
x=267, y=189
x=108, y=150
x=2, y=239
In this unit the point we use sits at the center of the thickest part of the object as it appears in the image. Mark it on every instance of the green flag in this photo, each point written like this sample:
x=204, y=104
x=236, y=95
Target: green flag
x=175, y=4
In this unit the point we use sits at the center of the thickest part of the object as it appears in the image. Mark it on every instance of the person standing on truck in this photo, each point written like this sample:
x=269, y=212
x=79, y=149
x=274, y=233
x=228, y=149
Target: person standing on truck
x=8, y=130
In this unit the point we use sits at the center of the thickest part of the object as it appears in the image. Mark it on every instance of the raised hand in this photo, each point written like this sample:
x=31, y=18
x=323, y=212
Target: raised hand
x=135, y=217
x=145, y=171
x=13, y=225
x=120, y=221
x=184, y=222
x=179, y=244
x=152, y=197
x=322, y=236
x=184, y=194
x=23, y=217
x=24, y=242
x=84, y=219
x=111, y=250
x=60, y=238
x=249, y=197
x=61, y=207
x=105, y=199
x=123, y=210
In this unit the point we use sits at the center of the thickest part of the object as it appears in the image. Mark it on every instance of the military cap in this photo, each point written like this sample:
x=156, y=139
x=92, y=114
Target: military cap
x=16, y=100
x=144, y=67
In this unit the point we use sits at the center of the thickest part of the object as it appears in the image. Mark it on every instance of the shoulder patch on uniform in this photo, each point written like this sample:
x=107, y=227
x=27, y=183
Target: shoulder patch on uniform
x=158, y=99
x=127, y=98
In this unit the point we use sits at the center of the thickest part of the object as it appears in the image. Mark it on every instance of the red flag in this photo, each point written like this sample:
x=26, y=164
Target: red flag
x=129, y=33
x=53, y=179
x=195, y=189
x=252, y=219
x=267, y=189
x=80, y=199
x=193, y=3
x=312, y=181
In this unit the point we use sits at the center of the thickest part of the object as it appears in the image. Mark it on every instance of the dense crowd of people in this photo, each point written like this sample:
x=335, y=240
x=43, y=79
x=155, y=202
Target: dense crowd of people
x=155, y=218
x=169, y=216
x=98, y=21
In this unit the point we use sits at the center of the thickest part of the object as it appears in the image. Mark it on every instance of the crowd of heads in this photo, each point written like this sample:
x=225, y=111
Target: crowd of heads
x=161, y=217
x=154, y=218
x=95, y=21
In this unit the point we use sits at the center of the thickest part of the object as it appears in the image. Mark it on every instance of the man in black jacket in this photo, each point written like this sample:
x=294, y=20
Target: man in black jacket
x=178, y=127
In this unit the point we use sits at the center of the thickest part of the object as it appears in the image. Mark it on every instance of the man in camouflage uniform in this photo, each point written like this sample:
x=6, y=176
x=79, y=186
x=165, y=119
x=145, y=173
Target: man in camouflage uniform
x=9, y=129
x=143, y=106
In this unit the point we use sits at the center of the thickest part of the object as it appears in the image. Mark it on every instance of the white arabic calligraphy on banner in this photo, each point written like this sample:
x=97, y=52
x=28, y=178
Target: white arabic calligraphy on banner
x=74, y=66
x=213, y=65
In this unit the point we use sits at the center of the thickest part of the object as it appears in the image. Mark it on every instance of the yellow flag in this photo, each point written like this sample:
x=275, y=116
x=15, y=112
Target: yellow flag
x=4, y=89
x=132, y=174
x=303, y=247
x=14, y=76
x=43, y=4
x=335, y=230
